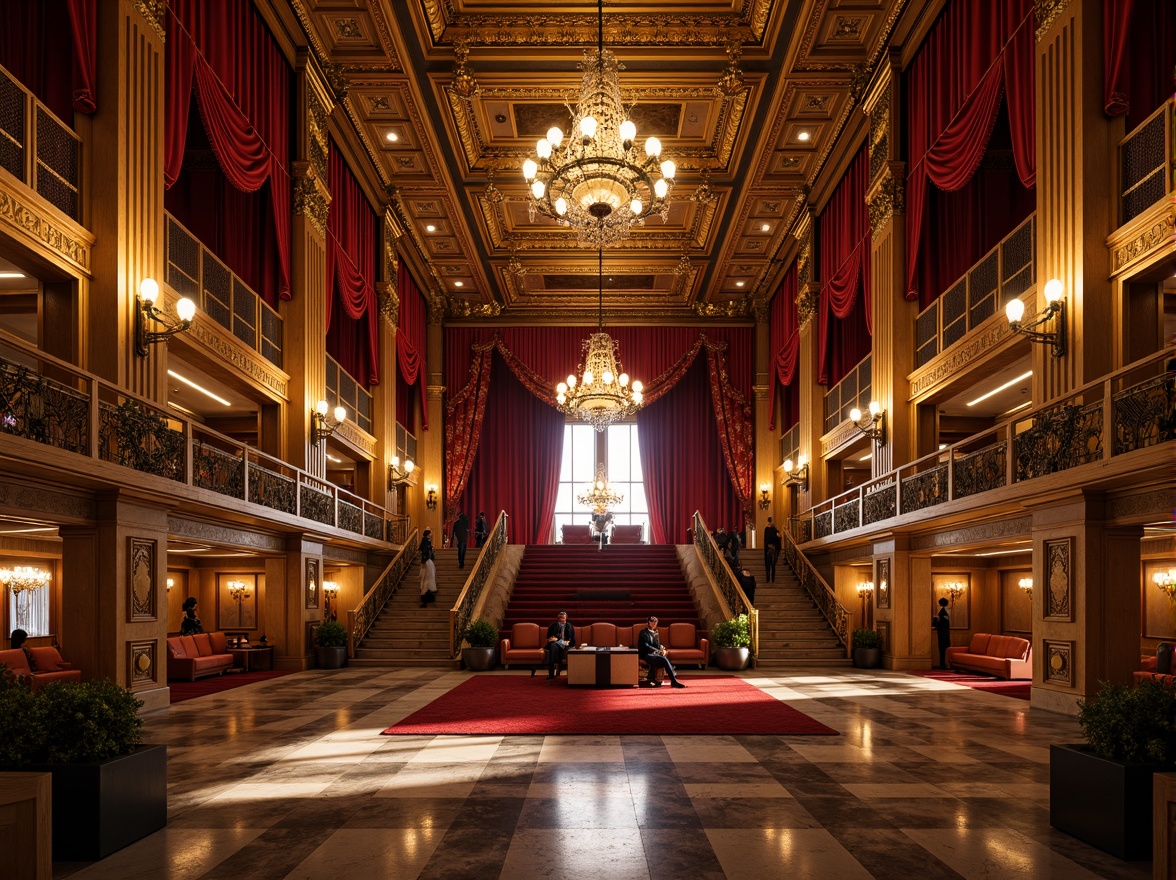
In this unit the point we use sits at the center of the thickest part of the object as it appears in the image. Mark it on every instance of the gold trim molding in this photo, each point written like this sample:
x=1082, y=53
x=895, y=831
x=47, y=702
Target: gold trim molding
x=1131, y=244
x=887, y=201
x=311, y=198
x=1047, y=12
x=153, y=11
x=65, y=244
x=959, y=358
x=209, y=335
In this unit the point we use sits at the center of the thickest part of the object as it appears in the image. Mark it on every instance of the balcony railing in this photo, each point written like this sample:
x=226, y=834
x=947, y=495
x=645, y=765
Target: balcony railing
x=1147, y=162
x=344, y=390
x=195, y=272
x=1004, y=273
x=38, y=149
x=1131, y=409
x=50, y=402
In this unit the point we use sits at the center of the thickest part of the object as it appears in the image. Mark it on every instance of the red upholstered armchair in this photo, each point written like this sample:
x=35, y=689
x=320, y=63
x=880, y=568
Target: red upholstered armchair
x=627, y=535
x=524, y=647
x=39, y=666
x=571, y=534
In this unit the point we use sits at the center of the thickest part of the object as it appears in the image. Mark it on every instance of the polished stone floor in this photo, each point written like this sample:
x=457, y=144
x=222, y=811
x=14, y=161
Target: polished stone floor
x=291, y=778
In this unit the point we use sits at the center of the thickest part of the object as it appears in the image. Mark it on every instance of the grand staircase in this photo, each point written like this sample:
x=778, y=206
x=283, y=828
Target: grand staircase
x=407, y=635
x=792, y=631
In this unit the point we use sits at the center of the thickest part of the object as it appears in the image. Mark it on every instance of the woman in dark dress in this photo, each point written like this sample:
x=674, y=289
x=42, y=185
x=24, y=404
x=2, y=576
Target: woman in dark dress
x=941, y=623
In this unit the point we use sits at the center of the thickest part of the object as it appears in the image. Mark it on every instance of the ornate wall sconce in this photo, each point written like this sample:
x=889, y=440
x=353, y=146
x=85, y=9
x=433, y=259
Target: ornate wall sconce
x=320, y=427
x=1165, y=580
x=764, y=501
x=798, y=476
x=171, y=582
x=398, y=476
x=238, y=590
x=1054, y=309
x=865, y=592
x=431, y=497
x=954, y=590
x=146, y=311
x=1026, y=584
x=873, y=427
x=330, y=591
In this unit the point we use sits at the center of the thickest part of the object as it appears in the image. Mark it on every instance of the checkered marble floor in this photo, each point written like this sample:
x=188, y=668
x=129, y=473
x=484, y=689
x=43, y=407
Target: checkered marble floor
x=290, y=778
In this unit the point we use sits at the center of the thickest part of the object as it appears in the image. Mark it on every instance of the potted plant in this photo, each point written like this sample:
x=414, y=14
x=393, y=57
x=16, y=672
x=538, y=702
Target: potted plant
x=867, y=648
x=108, y=790
x=732, y=640
x=330, y=645
x=482, y=637
x=1101, y=792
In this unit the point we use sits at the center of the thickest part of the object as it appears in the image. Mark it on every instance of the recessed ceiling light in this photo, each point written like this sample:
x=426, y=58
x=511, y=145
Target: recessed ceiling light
x=802, y=135
x=199, y=388
x=767, y=227
x=738, y=283
x=866, y=457
x=459, y=284
x=392, y=137
x=12, y=275
x=430, y=228
x=1025, y=549
x=1008, y=384
x=332, y=458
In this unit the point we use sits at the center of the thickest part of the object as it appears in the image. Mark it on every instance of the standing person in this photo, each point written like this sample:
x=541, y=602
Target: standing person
x=747, y=584
x=428, y=569
x=650, y=650
x=772, y=547
x=481, y=530
x=190, y=625
x=732, y=551
x=720, y=537
x=461, y=537
x=941, y=623
x=560, y=637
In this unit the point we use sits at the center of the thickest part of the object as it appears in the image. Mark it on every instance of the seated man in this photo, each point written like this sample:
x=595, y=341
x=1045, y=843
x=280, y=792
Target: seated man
x=649, y=649
x=560, y=637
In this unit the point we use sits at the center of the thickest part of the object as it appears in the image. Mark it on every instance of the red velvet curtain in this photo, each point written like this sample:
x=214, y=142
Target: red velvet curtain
x=242, y=84
x=411, y=338
x=34, y=42
x=353, y=329
x=784, y=341
x=843, y=248
x=1139, y=54
x=516, y=465
x=977, y=50
x=680, y=449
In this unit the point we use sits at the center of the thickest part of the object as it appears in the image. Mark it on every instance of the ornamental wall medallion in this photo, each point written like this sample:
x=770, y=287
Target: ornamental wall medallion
x=1059, y=662
x=141, y=665
x=882, y=579
x=1058, y=580
x=141, y=592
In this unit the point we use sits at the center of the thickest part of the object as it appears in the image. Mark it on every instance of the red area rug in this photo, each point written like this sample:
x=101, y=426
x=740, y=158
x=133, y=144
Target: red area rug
x=518, y=704
x=1018, y=689
x=186, y=690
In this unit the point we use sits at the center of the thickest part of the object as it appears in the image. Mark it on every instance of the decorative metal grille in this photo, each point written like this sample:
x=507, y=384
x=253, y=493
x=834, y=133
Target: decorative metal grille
x=244, y=314
x=58, y=161
x=881, y=504
x=954, y=309
x=847, y=516
x=317, y=505
x=924, y=490
x=373, y=526
x=350, y=518
x=980, y=471
x=1018, y=261
x=40, y=409
x=183, y=261
x=983, y=283
x=927, y=333
x=217, y=470
x=1144, y=414
x=271, y=335
x=398, y=526
x=217, y=281
x=1060, y=438
x=1143, y=163
x=272, y=490
x=823, y=524
x=12, y=126
x=134, y=436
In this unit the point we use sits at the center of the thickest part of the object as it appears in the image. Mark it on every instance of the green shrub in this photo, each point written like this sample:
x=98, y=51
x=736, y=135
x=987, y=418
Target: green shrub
x=17, y=721
x=1126, y=723
x=331, y=634
x=867, y=638
x=481, y=633
x=733, y=633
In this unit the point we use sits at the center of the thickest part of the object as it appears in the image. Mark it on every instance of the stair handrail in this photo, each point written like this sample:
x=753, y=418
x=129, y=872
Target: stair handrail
x=463, y=607
x=361, y=618
x=724, y=578
x=818, y=588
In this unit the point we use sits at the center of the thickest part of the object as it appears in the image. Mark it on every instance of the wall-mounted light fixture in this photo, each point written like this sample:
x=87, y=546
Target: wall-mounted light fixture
x=146, y=311
x=431, y=497
x=865, y=592
x=954, y=590
x=171, y=582
x=1054, y=310
x=1026, y=584
x=764, y=501
x=873, y=427
x=330, y=591
x=320, y=427
x=798, y=476
x=1166, y=581
x=398, y=476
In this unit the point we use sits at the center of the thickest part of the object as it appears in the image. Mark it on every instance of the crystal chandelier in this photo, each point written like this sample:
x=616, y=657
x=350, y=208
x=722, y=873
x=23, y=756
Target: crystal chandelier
x=593, y=178
x=600, y=496
x=603, y=394
x=23, y=578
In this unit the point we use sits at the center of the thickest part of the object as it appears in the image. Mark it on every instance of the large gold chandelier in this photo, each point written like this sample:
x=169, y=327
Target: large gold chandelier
x=23, y=578
x=593, y=179
x=600, y=496
x=603, y=394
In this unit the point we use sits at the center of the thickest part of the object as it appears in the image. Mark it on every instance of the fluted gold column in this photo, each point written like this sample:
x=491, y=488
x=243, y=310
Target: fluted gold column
x=433, y=440
x=765, y=437
x=384, y=397
x=812, y=403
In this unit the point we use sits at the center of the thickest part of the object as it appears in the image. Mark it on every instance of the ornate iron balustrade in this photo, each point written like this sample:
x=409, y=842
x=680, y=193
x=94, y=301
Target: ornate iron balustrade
x=138, y=436
x=926, y=489
x=847, y=516
x=819, y=590
x=1061, y=437
x=316, y=504
x=350, y=517
x=1147, y=162
x=217, y=470
x=398, y=526
x=880, y=502
x=463, y=608
x=1145, y=414
x=40, y=409
x=271, y=489
x=361, y=618
x=980, y=471
x=724, y=578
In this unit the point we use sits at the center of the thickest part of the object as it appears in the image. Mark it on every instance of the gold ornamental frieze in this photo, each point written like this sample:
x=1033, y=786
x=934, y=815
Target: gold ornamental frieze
x=357, y=437
x=1146, y=236
x=388, y=301
x=153, y=11
x=200, y=531
x=886, y=201
x=844, y=433
x=807, y=300
x=311, y=198
x=960, y=358
x=55, y=237
x=1046, y=12
x=218, y=341
x=981, y=533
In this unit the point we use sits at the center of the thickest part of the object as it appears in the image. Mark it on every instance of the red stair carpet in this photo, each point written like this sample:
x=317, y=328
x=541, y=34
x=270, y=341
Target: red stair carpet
x=186, y=690
x=519, y=704
x=1018, y=689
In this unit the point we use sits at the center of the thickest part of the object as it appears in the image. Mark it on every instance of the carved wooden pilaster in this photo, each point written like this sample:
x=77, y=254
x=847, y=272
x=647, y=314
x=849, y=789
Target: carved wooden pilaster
x=312, y=200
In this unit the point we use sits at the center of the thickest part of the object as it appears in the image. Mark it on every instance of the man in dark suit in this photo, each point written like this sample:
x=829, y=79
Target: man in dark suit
x=560, y=637
x=481, y=530
x=461, y=537
x=772, y=546
x=650, y=650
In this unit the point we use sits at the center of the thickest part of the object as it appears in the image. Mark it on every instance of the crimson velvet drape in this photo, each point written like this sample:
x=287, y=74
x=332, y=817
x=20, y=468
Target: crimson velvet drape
x=410, y=343
x=540, y=357
x=34, y=42
x=1139, y=54
x=516, y=465
x=975, y=52
x=843, y=248
x=784, y=341
x=224, y=52
x=353, y=330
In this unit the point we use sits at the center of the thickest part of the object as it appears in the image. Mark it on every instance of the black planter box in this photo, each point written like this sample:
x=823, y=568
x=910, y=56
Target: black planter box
x=100, y=808
x=1105, y=803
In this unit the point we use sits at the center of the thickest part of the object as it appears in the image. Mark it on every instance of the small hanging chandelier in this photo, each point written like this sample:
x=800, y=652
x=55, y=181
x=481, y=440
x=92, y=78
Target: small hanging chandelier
x=603, y=394
x=593, y=179
x=23, y=578
x=600, y=496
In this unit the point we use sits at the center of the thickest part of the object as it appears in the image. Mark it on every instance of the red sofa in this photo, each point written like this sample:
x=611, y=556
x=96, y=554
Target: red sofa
x=1006, y=657
x=193, y=657
x=39, y=666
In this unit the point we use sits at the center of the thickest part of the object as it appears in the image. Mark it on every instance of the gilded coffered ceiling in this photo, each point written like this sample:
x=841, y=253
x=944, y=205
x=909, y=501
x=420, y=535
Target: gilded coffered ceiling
x=445, y=98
